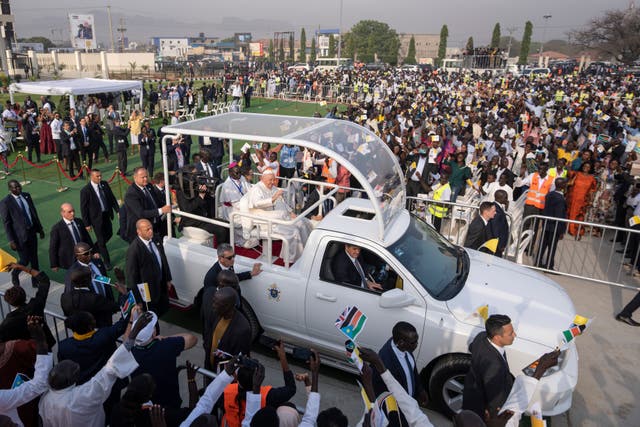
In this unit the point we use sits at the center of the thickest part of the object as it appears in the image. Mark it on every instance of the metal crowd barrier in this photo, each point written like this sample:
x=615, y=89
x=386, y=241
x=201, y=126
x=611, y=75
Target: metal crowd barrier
x=586, y=251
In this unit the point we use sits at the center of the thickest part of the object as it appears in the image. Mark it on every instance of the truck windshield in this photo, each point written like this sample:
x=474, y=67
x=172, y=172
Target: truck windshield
x=439, y=266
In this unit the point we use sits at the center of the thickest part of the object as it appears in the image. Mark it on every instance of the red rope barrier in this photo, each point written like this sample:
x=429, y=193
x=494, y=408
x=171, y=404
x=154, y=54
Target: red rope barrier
x=38, y=166
x=77, y=175
x=14, y=163
x=125, y=179
x=110, y=180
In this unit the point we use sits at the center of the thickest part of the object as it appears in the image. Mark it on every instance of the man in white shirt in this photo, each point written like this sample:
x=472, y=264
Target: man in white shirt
x=233, y=188
x=66, y=404
x=56, y=128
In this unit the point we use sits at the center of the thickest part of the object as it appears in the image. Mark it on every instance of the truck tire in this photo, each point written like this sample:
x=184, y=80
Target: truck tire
x=446, y=382
x=248, y=312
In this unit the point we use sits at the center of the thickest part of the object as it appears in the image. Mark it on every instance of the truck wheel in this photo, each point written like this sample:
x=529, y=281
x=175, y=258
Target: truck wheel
x=446, y=383
x=252, y=318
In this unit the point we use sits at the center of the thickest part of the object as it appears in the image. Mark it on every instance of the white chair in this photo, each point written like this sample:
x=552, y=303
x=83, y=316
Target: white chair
x=198, y=235
x=517, y=250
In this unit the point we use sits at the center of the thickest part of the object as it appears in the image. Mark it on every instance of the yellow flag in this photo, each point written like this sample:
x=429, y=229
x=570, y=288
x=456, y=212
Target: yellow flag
x=6, y=259
x=143, y=288
x=483, y=311
x=580, y=320
x=492, y=245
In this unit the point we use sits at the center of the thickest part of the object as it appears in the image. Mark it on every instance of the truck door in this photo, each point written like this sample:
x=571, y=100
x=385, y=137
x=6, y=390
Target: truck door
x=326, y=298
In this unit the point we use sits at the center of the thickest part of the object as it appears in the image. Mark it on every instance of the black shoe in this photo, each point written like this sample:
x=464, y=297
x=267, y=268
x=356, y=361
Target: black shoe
x=627, y=320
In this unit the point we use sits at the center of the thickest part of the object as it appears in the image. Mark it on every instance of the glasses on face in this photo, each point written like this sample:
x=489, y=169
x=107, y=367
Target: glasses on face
x=229, y=257
x=84, y=254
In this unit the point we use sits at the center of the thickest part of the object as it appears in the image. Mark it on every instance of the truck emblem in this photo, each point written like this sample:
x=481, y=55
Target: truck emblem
x=273, y=293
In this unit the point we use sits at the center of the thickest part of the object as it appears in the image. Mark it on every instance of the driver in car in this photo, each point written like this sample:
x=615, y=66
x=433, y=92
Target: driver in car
x=348, y=267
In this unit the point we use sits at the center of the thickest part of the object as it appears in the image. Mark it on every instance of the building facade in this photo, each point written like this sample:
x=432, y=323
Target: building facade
x=171, y=47
x=426, y=46
x=7, y=33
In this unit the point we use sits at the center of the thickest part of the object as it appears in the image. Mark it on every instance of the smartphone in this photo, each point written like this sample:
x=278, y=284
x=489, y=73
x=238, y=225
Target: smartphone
x=302, y=354
x=268, y=341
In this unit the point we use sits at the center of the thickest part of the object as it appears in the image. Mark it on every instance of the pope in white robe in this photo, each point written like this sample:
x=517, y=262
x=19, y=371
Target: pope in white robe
x=265, y=200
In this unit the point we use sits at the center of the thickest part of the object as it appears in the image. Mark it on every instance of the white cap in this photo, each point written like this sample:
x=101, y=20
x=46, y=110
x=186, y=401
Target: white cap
x=146, y=333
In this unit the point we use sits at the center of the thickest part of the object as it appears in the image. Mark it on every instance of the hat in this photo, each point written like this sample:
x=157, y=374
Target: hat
x=145, y=335
x=233, y=165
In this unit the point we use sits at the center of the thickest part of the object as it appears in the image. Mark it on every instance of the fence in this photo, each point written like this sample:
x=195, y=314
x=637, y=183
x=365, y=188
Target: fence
x=586, y=252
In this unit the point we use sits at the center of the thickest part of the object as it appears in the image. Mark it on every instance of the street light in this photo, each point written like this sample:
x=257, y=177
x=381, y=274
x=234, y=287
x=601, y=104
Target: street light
x=544, y=33
x=340, y=31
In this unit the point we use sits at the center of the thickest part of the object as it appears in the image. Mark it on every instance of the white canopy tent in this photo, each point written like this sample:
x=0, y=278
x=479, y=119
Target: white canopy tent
x=74, y=87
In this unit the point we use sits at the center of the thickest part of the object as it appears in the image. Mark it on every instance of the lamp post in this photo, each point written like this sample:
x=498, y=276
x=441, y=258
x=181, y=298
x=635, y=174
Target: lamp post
x=340, y=32
x=544, y=33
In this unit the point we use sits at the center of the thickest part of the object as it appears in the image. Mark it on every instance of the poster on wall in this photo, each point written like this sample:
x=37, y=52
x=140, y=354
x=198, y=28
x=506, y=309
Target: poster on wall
x=82, y=31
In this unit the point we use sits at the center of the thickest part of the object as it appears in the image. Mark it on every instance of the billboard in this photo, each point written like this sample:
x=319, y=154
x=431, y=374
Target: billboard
x=82, y=31
x=256, y=49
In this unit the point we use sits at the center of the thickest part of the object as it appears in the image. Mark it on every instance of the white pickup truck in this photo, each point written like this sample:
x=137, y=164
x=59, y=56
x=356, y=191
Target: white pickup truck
x=428, y=282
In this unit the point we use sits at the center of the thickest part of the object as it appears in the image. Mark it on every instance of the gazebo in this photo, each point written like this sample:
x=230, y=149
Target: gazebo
x=75, y=87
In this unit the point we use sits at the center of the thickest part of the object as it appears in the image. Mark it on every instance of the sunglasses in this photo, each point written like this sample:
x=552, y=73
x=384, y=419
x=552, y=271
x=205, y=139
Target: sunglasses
x=230, y=257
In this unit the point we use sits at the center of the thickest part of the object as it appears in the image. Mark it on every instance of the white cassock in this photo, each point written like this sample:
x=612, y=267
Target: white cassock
x=12, y=398
x=232, y=192
x=258, y=201
x=82, y=405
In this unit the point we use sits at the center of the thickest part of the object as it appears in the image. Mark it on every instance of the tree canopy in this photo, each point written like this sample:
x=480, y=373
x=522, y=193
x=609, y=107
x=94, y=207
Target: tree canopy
x=45, y=41
x=411, y=52
x=442, y=48
x=526, y=43
x=495, y=37
x=369, y=38
x=332, y=46
x=469, y=46
x=303, y=46
x=312, y=51
x=616, y=33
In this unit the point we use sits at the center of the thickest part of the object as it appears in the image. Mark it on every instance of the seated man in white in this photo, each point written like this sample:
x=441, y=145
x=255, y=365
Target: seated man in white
x=265, y=200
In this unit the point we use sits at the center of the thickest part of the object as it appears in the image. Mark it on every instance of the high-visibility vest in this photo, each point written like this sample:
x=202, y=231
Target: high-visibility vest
x=234, y=413
x=535, y=195
x=553, y=172
x=439, y=210
x=326, y=173
x=559, y=95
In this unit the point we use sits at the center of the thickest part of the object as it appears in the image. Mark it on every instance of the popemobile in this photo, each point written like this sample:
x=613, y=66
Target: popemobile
x=427, y=281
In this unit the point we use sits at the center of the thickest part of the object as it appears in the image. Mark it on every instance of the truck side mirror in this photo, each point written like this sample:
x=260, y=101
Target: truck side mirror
x=395, y=298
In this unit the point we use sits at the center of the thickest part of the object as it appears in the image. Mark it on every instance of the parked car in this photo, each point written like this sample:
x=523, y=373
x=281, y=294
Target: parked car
x=536, y=72
x=426, y=280
x=300, y=66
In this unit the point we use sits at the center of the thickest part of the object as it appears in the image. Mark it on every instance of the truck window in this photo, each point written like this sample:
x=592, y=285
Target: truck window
x=337, y=267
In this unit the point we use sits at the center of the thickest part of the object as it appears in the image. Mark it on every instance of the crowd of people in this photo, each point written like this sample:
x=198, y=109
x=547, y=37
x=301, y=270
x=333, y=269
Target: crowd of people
x=564, y=144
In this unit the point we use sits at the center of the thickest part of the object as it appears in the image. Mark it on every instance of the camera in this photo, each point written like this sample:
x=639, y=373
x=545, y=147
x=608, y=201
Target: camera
x=247, y=362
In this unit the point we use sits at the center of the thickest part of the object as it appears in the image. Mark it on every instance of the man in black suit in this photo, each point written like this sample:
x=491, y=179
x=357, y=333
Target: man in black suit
x=98, y=205
x=85, y=142
x=147, y=141
x=489, y=380
x=14, y=325
x=478, y=232
x=397, y=356
x=348, y=267
x=141, y=204
x=86, y=259
x=418, y=172
x=83, y=298
x=555, y=206
x=70, y=143
x=64, y=235
x=21, y=224
x=147, y=263
x=314, y=195
x=226, y=256
x=206, y=167
x=235, y=338
x=498, y=225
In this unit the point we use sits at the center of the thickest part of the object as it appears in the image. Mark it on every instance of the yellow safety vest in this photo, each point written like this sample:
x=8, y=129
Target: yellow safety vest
x=439, y=210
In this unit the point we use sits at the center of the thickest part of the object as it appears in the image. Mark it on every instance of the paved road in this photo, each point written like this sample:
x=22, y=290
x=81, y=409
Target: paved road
x=607, y=385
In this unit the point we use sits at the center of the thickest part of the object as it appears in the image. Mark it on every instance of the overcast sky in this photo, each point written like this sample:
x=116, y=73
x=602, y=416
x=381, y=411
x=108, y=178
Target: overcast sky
x=146, y=18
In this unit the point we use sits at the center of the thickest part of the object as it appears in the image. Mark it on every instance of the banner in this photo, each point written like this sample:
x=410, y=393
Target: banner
x=83, y=35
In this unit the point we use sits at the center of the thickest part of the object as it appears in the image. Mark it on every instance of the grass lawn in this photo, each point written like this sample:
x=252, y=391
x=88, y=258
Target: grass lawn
x=44, y=182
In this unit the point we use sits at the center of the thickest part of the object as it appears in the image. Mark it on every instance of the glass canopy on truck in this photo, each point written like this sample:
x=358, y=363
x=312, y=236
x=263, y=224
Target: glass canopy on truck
x=358, y=149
